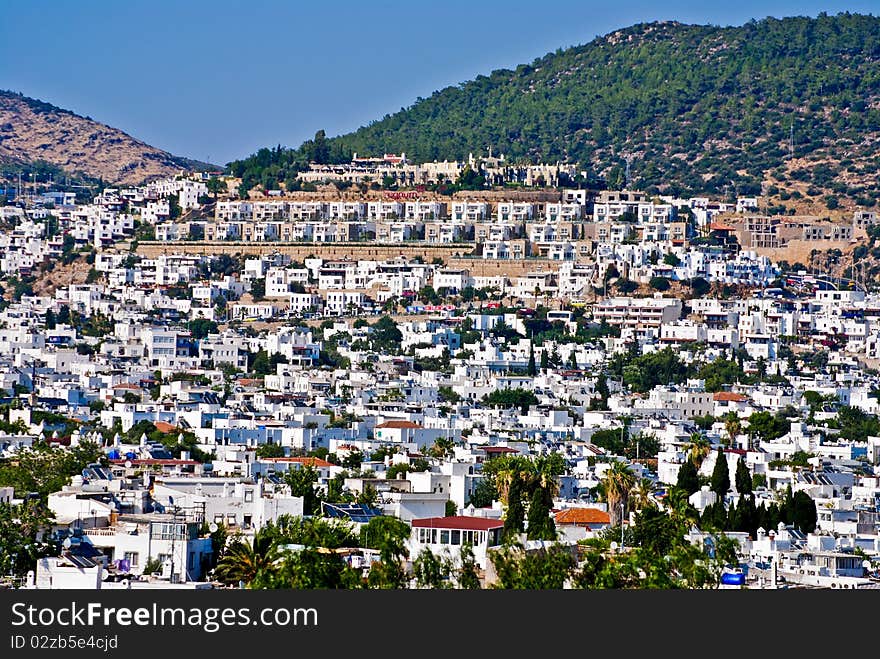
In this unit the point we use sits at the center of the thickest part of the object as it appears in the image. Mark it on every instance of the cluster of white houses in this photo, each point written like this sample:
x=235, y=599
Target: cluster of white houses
x=336, y=390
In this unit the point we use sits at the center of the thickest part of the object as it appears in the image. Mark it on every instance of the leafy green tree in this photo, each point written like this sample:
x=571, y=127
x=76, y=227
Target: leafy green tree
x=542, y=569
x=484, y=493
x=659, y=283
x=766, y=426
x=302, y=484
x=201, y=327
x=261, y=365
x=432, y=571
x=386, y=336
x=258, y=288
x=514, y=397
x=45, y=469
x=270, y=451
x=24, y=536
x=468, y=579
x=470, y=179
x=446, y=394
x=389, y=536
x=855, y=424
x=311, y=568
x=216, y=186
x=699, y=286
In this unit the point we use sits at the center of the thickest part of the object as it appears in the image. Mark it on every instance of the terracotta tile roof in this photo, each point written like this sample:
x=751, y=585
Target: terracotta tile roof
x=250, y=382
x=459, y=522
x=399, y=424
x=581, y=516
x=730, y=396
x=163, y=426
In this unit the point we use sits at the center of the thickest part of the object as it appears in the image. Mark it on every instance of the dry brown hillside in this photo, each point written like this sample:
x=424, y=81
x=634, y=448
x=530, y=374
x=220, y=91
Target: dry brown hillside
x=31, y=130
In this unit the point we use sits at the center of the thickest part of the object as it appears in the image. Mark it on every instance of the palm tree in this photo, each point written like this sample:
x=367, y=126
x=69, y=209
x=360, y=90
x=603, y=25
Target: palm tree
x=732, y=426
x=618, y=482
x=641, y=493
x=244, y=561
x=698, y=449
x=443, y=447
x=680, y=509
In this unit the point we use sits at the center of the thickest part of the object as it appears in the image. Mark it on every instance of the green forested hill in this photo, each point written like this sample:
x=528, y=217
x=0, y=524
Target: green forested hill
x=695, y=109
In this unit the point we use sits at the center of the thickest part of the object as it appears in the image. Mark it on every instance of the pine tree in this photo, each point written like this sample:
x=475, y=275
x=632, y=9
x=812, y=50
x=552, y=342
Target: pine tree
x=720, y=475
x=743, y=478
x=688, y=479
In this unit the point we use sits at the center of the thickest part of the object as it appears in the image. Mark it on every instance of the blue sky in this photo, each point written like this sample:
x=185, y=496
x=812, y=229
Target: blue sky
x=218, y=80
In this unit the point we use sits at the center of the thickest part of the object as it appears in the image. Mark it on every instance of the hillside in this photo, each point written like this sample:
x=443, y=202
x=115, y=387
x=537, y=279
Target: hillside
x=696, y=109
x=33, y=131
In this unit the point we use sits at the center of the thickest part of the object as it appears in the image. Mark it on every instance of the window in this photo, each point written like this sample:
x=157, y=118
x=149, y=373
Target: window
x=444, y=537
x=132, y=558
x=230, y=519
x=218, y=518
x=248, y=496
x=456, y=537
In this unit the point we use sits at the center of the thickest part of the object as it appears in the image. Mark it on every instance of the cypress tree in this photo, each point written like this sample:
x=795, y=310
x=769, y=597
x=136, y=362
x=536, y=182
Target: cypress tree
x=720, y=475
x=786, y=512
x=541, y=526
x=514, y=520
x=532, y=371
x=805, y=514
x=545, y=360
x=743, y=478
x=688, y=479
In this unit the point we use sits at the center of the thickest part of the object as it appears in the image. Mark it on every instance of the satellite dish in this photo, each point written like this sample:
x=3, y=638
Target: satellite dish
x=67, y=543
x=212, y=527
x=128, y=464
